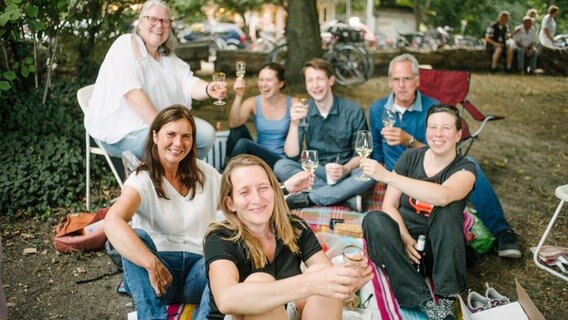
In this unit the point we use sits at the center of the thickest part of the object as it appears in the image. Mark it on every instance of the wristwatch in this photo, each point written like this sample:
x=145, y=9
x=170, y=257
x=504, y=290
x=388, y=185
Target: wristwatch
x=411, y=143
x=284, y=189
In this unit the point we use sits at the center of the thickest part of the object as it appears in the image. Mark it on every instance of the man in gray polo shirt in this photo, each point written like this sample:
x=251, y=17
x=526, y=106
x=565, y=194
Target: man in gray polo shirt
x=333, y=123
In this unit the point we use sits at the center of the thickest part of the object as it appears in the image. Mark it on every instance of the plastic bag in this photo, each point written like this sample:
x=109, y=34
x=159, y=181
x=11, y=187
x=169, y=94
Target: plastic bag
x=483, y=240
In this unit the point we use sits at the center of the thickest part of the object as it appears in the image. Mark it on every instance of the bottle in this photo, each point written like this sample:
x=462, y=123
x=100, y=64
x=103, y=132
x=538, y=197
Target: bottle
x=420, y=244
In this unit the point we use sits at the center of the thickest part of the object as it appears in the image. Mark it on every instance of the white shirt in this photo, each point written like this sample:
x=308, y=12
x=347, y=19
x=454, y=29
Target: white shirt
x=524, y=38
x=177, y=224
x=169, y=81
x=549, y=23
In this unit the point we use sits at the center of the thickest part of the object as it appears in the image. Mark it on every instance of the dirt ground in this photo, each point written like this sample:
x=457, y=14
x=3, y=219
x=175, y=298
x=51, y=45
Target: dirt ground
x=525, y=156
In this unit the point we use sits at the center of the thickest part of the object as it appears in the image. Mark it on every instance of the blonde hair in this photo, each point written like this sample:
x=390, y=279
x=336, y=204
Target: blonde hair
x=280, y=220
x=169, y=46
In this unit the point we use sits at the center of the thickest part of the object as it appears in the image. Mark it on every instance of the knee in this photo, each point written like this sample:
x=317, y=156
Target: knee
x=205, y=133
x=374, y=223
x=281, y=167
x=260, y=277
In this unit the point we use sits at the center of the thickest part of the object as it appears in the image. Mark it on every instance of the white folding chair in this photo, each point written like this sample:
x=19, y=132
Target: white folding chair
x=561, y=193
x=83, y=96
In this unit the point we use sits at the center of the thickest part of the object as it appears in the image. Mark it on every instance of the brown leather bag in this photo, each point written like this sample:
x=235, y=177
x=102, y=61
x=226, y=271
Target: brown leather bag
x=80, y=231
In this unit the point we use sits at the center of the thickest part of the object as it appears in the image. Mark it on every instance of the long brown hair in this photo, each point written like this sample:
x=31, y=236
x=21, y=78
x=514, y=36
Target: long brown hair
x=188, y=171
x=279, y=220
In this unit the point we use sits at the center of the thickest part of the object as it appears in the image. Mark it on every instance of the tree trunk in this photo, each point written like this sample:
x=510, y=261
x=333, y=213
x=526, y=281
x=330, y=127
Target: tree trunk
x=302, y=36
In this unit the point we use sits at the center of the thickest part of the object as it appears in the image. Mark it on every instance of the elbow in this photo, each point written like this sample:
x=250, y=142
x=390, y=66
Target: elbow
x=223, y=303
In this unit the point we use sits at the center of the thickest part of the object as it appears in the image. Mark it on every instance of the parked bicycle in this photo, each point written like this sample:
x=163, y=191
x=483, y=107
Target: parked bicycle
x=351, y=61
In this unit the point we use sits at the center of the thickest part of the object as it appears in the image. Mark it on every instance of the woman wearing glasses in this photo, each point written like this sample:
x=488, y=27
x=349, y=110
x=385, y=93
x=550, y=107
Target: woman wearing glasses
x=140, y=76
x=426, y=195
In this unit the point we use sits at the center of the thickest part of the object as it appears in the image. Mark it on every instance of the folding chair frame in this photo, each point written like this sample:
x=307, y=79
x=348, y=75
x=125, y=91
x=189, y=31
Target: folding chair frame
x=562, y=193
x=441, y=84
x=83, y=97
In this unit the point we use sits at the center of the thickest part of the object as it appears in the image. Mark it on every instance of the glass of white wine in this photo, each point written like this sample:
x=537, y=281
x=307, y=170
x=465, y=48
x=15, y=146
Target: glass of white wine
x=309, y=160
x=389, y=118
x=218, y=78
x=241, y=68
x=363, y=147
x=304, y=121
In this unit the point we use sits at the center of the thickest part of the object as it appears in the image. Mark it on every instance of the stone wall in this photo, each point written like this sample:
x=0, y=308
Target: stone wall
x=553, y=61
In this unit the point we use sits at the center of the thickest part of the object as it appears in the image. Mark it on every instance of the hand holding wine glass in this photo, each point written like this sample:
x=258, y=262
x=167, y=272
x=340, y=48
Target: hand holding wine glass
x=389, y=118
x=304, y=121
x=309, y=160
x=218, y=80
x=241, y=69
x=363, y=147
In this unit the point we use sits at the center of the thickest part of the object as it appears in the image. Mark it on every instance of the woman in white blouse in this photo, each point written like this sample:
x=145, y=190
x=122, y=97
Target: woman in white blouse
x=548, y=29
x=140, y=76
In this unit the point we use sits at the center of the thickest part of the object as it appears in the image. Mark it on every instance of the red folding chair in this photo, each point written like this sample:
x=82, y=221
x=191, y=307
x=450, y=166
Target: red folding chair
x=452, y=87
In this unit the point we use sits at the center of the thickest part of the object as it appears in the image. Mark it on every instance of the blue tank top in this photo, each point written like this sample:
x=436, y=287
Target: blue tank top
x=271, y=134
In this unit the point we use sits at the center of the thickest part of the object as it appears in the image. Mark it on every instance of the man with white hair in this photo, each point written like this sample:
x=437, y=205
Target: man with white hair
x=525, y=38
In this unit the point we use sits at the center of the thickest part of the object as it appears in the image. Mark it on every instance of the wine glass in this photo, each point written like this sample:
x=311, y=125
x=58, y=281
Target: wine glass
x=363, y=147
x=219, y=78
x=304, y=120
x=310, y=162
x=353, y=257
x=389, y=118
x=241, y=68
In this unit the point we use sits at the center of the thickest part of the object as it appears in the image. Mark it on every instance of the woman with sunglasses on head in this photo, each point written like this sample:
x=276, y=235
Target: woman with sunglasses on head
x=426, y=194
x=140, y=76
x=253, y=257
x=169, y=201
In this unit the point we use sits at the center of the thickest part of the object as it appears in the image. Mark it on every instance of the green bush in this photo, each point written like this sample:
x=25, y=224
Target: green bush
x=42, y=151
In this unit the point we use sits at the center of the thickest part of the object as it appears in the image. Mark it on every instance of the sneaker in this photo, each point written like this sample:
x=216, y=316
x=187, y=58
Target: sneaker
x=444, y=310
x=298, y=200
x=477, y=302
x=448, y=307
x=507, y=246
x=354, y=203
x=495, y=297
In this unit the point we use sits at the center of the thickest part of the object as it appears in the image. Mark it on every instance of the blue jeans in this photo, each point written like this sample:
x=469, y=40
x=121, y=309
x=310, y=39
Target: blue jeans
x=521, y=60
x=324, y=194
x=136, y=141
x=486, y=202
x=189, y=283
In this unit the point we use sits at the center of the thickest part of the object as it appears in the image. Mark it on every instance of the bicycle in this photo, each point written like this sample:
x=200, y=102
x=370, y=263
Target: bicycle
x=351, y=61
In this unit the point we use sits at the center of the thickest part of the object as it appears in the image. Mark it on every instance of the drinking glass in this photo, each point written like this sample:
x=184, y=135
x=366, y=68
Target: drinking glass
x=218, y=78
x=363, y=147
x=353, y=257
x=310, y=162
x=389, y=118
x=241, y=68
x=304, y=120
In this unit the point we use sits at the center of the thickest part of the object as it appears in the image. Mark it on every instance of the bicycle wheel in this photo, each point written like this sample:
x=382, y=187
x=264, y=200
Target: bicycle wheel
x=349, y=64
x=369, y=64
x=278, y=54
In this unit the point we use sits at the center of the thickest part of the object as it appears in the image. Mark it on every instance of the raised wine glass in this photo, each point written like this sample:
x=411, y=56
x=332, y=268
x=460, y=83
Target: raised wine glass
x=310, y=162
x=218, y=79
x=353, y=257
x=304, y=120
x=241, y=68
x=363, y=147
x=389, y=118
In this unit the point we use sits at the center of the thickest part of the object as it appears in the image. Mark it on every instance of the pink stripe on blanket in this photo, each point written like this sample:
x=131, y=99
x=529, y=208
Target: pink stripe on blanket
x=386, y=302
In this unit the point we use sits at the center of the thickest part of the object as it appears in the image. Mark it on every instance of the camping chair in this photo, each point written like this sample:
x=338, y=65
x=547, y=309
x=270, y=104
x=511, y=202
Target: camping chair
x=561, y=193
x=452, y=87
x=83, y=97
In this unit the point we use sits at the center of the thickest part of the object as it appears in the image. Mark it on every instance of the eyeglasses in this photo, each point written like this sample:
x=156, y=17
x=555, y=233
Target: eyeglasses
x=402, y=79
x=154, y=21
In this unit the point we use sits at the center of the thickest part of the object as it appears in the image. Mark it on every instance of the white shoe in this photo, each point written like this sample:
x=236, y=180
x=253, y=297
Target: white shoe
x=495, y=297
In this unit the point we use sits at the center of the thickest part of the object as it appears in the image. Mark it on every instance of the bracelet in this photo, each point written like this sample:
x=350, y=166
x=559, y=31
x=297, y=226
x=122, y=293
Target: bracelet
x=207, y=90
